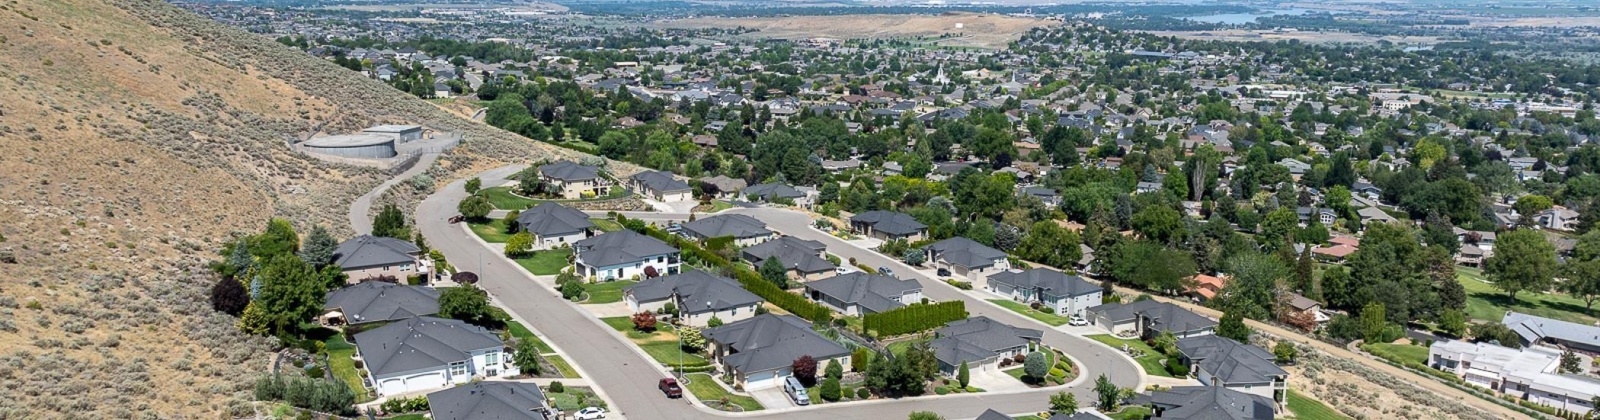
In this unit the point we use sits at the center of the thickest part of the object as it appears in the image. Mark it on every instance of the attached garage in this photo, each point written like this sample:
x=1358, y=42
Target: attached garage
x=409, y=383
x=761, y=380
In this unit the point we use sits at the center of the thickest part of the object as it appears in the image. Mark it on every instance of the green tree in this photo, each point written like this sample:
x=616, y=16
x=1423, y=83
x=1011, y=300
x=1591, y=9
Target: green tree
x=527, y=357
x=772, y=270
x=1159, y=223
x=1570, y=363
x=1453, y=322
x=291, y=292
x=1583, y=281
x=467, y=303
x=1373, y=322
x=1050, y=244
x=1522, y=260
x=1063, y=403
x=1108, y=393
x=278, y=239
x=859, y=360
x=1036, y=366
x=1529, y=206
x=1251, y=292
x=830, y=389
x=473, y=185
x=963, y=375
x=1279, y=225
x=319, y=246
x=1285, y=352
x=519, y=244
x=714, y=322
x=390, y=223
x=693, y=340
x=915, y=257
x=924, y=415
x=834, y=369
x=475, y=207
x=1232, y=326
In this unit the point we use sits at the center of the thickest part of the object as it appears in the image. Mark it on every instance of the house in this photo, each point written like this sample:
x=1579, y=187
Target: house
x=1323, y=216
x=623, y=254
x=805, y=260
x=368, y=257
x=981, y=342
x=775, y=193
x=499, y=400
x=1371, y=215
x=859, y=293
x=553, y=225
x=1221, y=362
x=1047, y=195
x=888, y=225
x=967, y=258
x=1555, y=332
x=1305, y=306
x=1558, y=218
x=1296, y=167
x=1208, y=403
x=423, y=353
x=660, y=186
x=573, y=180
x=1530, y=373
x=723, y=187
x=759, y=352
x=378, y=301
x=745, y=230
x=990, y=414
x=1063, y=293
x=1206, y=287
x=1146, y=187
x=1366, y=189
x=697, y=295
x=1147, y=318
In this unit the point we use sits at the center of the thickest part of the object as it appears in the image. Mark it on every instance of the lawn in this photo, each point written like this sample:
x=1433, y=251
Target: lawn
x=1487, y=303
x=1151, y=361
x=1016, y=372
x=494, y=231
x=606, y=291
x=716, y=206
x=1132, y=412
x=410, y=417
x=1305, y=408
x=523, y=333
x=502, y=198
x=339, y=352
x=706, y=388
x=545, y=263
x=565, y=368
x=574, y=399
x=1052, y=319
x=1399, y=353
x=661, y=344
x=899, y=347
x=606, y=225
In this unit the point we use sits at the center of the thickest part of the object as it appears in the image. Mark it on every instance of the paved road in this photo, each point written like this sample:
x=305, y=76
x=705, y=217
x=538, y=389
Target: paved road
x=361, y=209
x=628, y=378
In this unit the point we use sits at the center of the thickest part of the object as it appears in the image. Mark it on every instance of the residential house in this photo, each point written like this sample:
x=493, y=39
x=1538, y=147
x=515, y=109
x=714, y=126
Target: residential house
x=498, y=400
x=859, y=293
x=759, y=352
x=553, y=225
x=1063, y=293
x=1206, y=287
x=888, y=225
x=1306, y=307
x=1147, y=318
x=1207, y=403
x=803, y=259
x=775, y=193
x=1554, y=332
x=1366, y=189
x=697, y=295
x=623, y=254
x=1530, y=373
x=1146, y=187
x=1047, y=195
x=1296, y=167
x=746, y=231
x=1558, y=218
x=981, y=342
x=378, y=301
x=1220, y=361
x=990, y=414
x=368, y=257
x=660, y=186
x=573, y=180
x=1323, y=216
x=967, y=259
x=423, y=353
x=723, y=187
x=1371, y=215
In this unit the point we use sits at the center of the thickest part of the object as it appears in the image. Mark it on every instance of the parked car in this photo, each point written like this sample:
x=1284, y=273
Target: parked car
x=843, y=270
x=796, y=392
x=670, y=387
x=590, y=413
x=456, y=219
x=885, y=271
x=944, y=272
x=1077, y=321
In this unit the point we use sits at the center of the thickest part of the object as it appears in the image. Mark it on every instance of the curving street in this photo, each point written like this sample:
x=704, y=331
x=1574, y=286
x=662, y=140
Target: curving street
x=628, y=378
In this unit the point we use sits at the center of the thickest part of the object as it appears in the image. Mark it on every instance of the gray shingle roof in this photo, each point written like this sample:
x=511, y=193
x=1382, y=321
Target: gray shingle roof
x=373, y=251
x=768, y=342
x=893, y=223
x=772, y=191
x=421, y=343
x=374, y=301
x=659, y=181
x=1210, y=403
x=623, y=246
x=551, y=219
x=978, y=338
x=965, y=252
x=876, y=293
x=1054, y=283
x=1533, y=328
x=735, y=225
x=725, y=184
x=1165, y=316
x=489, y=400
x=1230, y=361
x=569, y=171
x=990, y=414
x=794, y=253
x=697, y=291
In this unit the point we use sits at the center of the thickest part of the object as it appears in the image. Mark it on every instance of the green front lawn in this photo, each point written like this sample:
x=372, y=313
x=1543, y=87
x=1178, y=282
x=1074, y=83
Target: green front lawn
x=668, y=353
x=1150, y=361
x=339, y=352
x=1490, y=304
x=899, y=347
x=574, y=399
x=606, y=291
x=545, y=263
x=493, y=231
x=1399, y=353
x=1132, y=412
x=523, y=333
x=1052, y=319
x=706, y=388
x=502, y=198
x=605, y=225
x=1305, y=408
x=561, y=365
x=661, y=344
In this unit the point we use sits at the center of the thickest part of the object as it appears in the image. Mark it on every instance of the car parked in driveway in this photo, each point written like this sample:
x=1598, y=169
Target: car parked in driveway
x=590, y=413
x=796, y=391
x=1077, y=321
x=885, y=271
x=943, y=272
x=670, y=387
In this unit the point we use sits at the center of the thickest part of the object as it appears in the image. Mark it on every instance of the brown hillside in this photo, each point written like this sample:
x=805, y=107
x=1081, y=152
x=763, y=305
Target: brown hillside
x=134, y=137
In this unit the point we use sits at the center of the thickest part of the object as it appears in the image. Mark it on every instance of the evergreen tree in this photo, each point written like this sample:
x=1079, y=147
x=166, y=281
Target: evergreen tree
x=1232, y=326
x=390, y=223
x=319, y=247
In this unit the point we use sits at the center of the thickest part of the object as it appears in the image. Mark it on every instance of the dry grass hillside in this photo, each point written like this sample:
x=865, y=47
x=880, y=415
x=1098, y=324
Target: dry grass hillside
x=136, y=137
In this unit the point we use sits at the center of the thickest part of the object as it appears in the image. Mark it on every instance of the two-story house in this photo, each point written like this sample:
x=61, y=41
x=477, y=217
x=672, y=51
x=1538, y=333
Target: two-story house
x=574, y=180
x=1220, y=361
x=623, y=254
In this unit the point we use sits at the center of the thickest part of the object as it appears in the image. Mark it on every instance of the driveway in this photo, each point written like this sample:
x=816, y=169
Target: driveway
x=609, y=310
x=995, y=380
x=773, y=397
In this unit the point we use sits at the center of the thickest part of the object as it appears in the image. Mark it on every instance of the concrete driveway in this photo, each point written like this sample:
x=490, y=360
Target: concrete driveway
x=995, y=380
x=773, y=397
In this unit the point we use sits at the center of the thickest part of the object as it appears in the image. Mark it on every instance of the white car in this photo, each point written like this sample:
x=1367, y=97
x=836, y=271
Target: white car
x=1077, y=321
x=590, y=413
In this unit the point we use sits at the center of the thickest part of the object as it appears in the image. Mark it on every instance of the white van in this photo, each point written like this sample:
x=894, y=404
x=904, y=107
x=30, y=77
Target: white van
x=796, y=392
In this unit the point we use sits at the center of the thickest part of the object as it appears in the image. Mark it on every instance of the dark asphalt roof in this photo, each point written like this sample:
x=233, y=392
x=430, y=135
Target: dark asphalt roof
x=965, y=252
x=623, y=246
x=697, y=291
x=659, y=181
x=488, y=400
x=769, y=342
x=893, y=223
x=375, y=301
x=421, y=343
x=1053, y=282
x=1166, y=316
x=1230, y=361
x=373, y=251
x=978, y=338
x=794, y=253
x=1534, y=328
x=990, y=414
x=569, y=171
x=772, y=191
x=735, y=225
x=1211, y=403
x=876, y=293
x=551, y=219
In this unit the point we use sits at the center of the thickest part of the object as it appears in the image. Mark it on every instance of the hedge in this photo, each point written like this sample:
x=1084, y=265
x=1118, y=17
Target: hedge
x=748, y=278
x=914, y=318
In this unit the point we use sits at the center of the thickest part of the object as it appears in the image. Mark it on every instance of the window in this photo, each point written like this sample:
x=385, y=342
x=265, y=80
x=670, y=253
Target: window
x=458, y=368
x=491, y=358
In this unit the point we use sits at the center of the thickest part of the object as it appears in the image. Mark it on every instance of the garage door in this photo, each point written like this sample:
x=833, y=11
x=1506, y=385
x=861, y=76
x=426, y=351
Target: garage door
x=425, y=381
x=392, y=386
x=761, y=380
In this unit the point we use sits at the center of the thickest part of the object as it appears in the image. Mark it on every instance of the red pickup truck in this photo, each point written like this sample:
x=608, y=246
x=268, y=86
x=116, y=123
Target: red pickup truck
x=670, y=387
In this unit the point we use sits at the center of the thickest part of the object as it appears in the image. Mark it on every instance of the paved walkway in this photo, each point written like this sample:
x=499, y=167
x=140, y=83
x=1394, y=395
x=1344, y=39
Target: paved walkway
x=361, y=210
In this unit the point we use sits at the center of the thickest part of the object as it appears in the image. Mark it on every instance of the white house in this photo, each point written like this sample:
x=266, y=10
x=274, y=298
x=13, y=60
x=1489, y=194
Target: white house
x=425, y=353
x=1064, y=294
x=660, y=186
x=1529, y=373
x=698, y=296
x=746, y=231
x=553, y=225
x=1220, y=361
x=574, y=180
x=623, y=254
x=981, y=343
x=967, y=259
x=859, y=293
x=759, y=352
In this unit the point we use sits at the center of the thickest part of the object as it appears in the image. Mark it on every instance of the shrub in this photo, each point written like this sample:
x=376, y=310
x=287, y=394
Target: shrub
x=229, y=296
x=1035, y=365
x=644, y=321
x=914, y=318
x=556, y=387
x=863, y=393
x=859, y=359
x=269, y=388
x=1177, y=369
x=830, y=389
